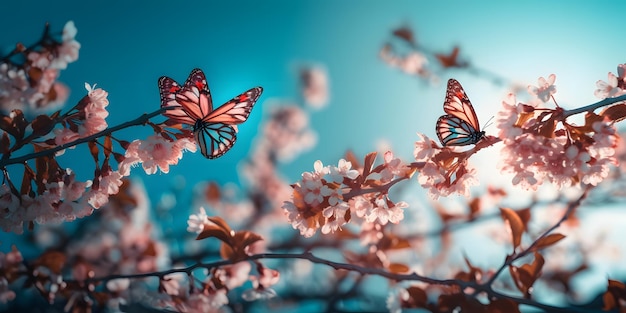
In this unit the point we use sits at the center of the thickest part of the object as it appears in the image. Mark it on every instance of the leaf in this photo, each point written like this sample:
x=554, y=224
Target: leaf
x=615, y=113
x=516, y=225
x=398, y=268
x=214, y=231
x=526, y=275
x=417, y=297
x=246, y=238
x=108, y=146
x=503, y=306
x=53, y=260
x=351, y=157
x=93, y=148
x=368, y=164
x=547, y=241
x=29, y=175
x=42, y=125
x=212, y=192
x=220, y=222
x=5, y=142
x=405, y=33
x=475, y=208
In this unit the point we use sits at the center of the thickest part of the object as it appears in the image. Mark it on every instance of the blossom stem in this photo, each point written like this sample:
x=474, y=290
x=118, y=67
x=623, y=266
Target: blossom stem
x=592, y=107
x=138, y=121
x=383, y=188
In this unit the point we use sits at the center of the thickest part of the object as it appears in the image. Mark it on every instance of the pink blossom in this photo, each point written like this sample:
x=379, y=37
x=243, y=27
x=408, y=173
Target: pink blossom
x=335, y=217
x=118, y=285
x=379, y=209
x=609, y=89
x=287, y=133
x=267, y=277
x=234, y=275
x=67, y=52
x=413, y=63
x=545, y=88
x=314, y=81
x=65, y=135
x=155, y=153
x=95, y=112
x=6, y=294
x=444, y=171
x=206, y=301
x=9, y=202
x=195, y=223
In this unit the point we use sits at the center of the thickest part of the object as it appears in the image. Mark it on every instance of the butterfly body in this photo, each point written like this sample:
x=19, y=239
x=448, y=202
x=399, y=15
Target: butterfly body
x=215, y=130
x=460, y=126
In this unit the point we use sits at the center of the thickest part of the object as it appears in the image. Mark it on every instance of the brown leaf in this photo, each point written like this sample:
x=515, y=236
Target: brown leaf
x=475, y=207
x=417, y=297
x=547, y=241
x=398, y=268
x=526, y=275
x=351, y=157
x=609, y=300
x=246, y=238
x=213, y=231
x=220, y=222
x=42, y=125
x=516, y=225
x=212, y=192
x=29, y=175
x=108, y=146
x=451, y=60
x=405, y=33
x=93, y=148
x=53, y=260
x=503, y=306
x=615, y=113
x=368, y=163
x=5, y=143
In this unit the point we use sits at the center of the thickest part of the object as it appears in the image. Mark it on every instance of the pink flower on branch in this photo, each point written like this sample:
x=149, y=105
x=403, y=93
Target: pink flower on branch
x=445, y=171
x=546, y=88
x=327, y=197
x=536, y=149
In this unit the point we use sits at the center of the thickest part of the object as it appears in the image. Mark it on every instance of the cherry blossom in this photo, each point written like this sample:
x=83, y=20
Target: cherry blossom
x=314, y=81
x=611, y=88
x=545, y=88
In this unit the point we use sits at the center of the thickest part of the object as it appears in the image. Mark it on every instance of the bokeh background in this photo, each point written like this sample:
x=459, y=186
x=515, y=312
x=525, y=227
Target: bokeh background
x=127, y=45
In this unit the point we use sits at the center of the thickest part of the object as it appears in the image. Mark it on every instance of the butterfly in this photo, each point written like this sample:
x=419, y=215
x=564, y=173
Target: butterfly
x=215, y=130
x=459, y=127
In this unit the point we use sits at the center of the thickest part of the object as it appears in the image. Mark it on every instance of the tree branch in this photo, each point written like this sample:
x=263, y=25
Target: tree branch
x=138, y=121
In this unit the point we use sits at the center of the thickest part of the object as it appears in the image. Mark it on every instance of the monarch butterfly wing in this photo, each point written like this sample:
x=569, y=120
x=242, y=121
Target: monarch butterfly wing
x=195, y=96
x=214, y=139
x=454, y=131
x=458, y=104
x=237, y=110
x=168, y=88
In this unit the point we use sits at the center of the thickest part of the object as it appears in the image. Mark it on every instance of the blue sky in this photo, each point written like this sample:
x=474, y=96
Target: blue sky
x=128, y=45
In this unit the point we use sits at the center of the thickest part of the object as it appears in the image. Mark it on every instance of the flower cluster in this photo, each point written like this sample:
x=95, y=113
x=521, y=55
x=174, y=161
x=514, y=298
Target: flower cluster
x=537, y=150
x=156, y=152
x=86, y=118
x=327, y=197
x=444, y=171
x=314, y=84
x=31, y=85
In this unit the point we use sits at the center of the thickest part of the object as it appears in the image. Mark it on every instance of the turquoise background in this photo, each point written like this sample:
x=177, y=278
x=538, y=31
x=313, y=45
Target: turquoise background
x=127, y=45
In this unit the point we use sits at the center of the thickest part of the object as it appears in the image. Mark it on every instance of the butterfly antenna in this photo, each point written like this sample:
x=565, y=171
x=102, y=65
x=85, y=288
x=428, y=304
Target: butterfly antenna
x=488, y=122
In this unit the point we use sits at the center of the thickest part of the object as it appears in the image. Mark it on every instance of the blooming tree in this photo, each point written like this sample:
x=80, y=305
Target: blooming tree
x=117, y=258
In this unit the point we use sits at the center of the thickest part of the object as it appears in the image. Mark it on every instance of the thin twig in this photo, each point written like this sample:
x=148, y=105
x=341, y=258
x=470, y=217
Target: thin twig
x=138, y=121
